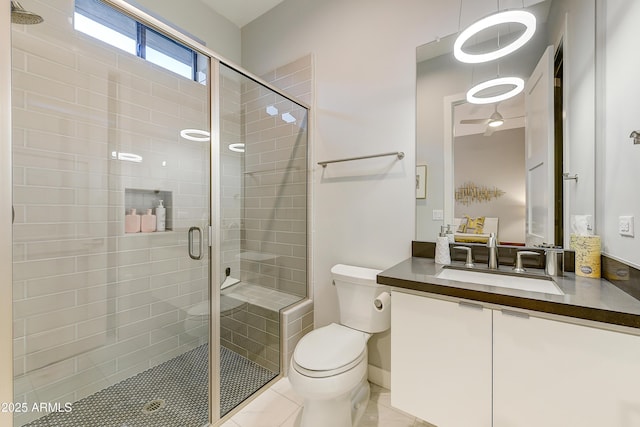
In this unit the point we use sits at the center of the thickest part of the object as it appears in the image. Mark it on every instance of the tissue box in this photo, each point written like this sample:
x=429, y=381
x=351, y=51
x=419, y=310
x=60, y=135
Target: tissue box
x=587, y=249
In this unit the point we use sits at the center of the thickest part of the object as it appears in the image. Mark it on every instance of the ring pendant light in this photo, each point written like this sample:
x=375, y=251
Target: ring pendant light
x=238, y=147
x=512, y=16
x=516, y=82
x=195, y=135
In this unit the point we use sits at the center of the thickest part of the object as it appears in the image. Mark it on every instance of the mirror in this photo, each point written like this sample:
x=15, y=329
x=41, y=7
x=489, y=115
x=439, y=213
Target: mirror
x=489, y=178
x=468, y=171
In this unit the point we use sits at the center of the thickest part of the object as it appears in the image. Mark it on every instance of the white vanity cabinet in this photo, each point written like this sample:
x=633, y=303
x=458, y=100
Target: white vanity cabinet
x=550, y=373
x=455, y=364
x=441, y=360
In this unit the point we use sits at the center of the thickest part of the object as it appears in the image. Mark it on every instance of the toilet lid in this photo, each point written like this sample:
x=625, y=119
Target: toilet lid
x=329, y=348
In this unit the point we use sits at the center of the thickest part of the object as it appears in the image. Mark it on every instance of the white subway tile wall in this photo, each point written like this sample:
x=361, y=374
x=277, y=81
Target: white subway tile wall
x=297, y=322
x=250, y=322
x=275, y=202
x=94, y=306
x=264, y=217
x=231, y=176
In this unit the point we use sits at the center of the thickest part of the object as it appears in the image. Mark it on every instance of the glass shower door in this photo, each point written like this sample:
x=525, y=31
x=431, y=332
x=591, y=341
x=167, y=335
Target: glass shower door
x=111, y=306
x=263, y=229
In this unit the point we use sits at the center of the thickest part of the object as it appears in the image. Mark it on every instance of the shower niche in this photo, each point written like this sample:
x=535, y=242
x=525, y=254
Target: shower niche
x=143, y=200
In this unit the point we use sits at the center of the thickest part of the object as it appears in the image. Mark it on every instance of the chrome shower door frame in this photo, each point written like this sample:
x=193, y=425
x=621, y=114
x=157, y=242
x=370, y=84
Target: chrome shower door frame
x=214, y=242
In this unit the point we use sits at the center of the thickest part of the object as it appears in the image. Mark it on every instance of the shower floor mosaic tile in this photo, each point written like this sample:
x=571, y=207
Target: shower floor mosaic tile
x=239, y=379
x=173, y=394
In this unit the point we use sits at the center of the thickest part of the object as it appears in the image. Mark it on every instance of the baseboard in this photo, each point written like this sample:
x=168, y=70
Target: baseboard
x=380, y=377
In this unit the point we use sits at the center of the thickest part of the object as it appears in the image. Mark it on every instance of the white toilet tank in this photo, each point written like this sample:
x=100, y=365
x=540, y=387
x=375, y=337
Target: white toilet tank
x=357, y=291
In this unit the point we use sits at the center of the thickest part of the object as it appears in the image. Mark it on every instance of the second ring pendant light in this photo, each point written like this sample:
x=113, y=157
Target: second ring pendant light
x=516, y=82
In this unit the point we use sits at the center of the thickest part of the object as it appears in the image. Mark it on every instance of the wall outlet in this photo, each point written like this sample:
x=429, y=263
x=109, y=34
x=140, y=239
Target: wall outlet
x=437, y=214
x=625, y=225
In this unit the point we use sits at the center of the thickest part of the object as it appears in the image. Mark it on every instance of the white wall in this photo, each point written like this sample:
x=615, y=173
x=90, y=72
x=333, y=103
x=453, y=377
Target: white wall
x=620, y=157
x=365, y=104
x=365, y=77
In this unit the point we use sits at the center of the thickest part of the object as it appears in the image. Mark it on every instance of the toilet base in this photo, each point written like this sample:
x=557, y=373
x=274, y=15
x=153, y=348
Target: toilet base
x=343, y=411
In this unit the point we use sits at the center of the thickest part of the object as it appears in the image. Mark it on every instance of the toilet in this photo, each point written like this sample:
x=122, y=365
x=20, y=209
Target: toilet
x=329, y=365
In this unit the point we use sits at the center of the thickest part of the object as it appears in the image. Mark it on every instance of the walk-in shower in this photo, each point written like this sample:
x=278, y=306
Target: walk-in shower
x=114, y=323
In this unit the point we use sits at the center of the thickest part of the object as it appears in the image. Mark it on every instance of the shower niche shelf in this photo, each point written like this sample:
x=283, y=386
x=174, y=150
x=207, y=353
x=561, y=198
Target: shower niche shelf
x=143, y=199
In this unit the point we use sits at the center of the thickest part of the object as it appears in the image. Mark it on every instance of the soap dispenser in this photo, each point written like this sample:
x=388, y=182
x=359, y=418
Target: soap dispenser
x=161, y=217
x=148, y=222
x=450, y=235
x=132, y=222
x=443, y=255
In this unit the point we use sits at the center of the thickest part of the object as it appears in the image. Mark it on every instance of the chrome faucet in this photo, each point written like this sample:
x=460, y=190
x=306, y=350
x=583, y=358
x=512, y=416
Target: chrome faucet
x=492, y=258
x=518, y=267
x=469, y=262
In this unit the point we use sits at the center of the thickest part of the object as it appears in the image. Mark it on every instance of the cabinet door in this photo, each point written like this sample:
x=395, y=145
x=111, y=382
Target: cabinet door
x=441, y=360
x=549, y=373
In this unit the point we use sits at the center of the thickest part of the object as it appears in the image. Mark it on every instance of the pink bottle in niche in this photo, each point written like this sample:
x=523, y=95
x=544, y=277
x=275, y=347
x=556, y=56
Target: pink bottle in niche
x=148, y=222
x=132, y=222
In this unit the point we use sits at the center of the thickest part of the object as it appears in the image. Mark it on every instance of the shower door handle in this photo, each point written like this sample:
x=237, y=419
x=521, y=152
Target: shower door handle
x=193, y=255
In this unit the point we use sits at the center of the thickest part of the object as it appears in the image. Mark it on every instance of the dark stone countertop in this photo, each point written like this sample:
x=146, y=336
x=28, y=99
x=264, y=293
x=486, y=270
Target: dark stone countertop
x=584, y=298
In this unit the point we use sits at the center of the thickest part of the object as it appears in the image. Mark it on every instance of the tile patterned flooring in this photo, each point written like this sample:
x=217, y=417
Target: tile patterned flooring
x=280, y=406
x=179, y=388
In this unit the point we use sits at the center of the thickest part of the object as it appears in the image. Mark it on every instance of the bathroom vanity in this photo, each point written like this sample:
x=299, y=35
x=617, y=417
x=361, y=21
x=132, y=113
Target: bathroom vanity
x=466, y=354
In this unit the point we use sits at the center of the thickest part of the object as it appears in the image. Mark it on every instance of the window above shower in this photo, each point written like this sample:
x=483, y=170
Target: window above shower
x=101, y=21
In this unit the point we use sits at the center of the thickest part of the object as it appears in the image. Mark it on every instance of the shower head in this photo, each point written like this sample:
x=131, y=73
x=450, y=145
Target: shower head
x=21, y=16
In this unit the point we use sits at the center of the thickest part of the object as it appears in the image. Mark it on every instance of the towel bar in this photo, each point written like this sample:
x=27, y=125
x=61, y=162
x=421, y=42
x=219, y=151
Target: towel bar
x=399, y=154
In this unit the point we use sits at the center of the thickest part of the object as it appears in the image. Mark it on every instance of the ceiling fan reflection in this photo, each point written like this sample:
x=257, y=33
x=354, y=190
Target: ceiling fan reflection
x=492, y=122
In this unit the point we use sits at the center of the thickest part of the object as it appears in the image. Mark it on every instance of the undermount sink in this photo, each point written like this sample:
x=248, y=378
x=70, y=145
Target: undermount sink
x=511, y=281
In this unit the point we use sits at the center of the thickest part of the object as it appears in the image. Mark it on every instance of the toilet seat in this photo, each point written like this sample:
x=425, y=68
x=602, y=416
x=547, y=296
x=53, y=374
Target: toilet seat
x=329, y=351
